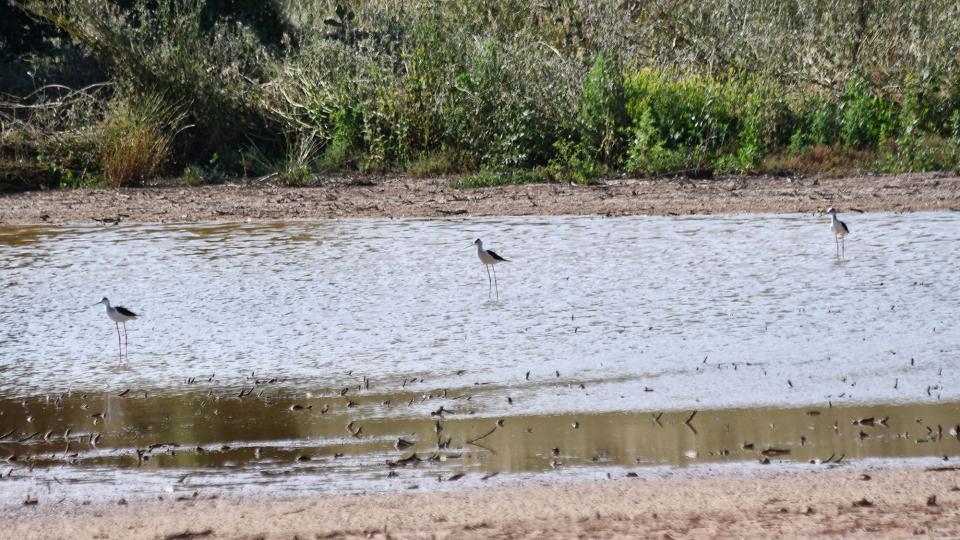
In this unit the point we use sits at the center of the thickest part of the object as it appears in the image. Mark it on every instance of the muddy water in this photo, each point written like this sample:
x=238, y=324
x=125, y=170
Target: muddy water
x=601, y=323
x=84, y=447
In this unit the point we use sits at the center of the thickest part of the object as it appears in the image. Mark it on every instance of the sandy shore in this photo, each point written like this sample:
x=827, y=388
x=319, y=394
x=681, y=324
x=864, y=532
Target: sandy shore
x=851, y=501
x=401, y=197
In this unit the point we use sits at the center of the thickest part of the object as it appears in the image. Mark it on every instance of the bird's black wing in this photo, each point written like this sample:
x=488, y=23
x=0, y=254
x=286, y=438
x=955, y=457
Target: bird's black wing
x=497, y=257
x=844, y=225
x=125, y=312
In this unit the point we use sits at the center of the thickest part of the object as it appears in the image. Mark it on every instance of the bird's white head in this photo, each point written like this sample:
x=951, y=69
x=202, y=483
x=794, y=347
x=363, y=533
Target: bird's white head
x=832, y=211
x=103, y=301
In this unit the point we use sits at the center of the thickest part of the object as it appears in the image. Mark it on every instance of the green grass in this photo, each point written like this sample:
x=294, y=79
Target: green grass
x=488, y=178
x=538, y=91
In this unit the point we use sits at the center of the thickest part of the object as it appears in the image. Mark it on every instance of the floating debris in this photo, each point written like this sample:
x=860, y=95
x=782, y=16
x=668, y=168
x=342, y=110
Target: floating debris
x=441, y=411
x=485, y=435
x=871, y=421
x=403, y=462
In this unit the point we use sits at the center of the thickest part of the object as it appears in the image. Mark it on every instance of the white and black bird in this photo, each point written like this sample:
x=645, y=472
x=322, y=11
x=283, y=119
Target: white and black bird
x=840, y=230
x=489, y=260
x=119, y=315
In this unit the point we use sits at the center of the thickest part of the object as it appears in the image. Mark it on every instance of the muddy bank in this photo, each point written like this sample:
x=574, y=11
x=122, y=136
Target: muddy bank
x=401, y=197
x=853, y=501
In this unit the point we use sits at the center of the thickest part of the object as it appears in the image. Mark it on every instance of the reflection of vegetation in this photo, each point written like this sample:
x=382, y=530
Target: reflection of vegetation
x=572, y=90
x=207, y=430
x=23, y=236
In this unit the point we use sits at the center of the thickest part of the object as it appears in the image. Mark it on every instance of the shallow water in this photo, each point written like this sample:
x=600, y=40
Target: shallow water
x=211, y=441
x=600, y=321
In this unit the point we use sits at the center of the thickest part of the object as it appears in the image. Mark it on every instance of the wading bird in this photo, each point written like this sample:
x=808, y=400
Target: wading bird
x=840, y=230
x=118, y=314
x=489, y=259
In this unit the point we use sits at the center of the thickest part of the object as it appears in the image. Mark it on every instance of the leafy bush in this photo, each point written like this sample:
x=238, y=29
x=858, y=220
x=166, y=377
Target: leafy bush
x=602, y=110
x=867, y=119
x=570, y=89
x=678, y=123
x=165, y=49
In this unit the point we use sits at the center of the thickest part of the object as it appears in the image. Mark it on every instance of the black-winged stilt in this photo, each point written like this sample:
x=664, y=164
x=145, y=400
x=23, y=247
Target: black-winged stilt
x=489, y=259
x=119, y=315
x=840, y=230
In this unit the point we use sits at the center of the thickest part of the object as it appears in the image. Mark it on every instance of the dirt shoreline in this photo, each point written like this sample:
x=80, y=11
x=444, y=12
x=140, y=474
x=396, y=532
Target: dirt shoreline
x=851, y=501
x=393, y=197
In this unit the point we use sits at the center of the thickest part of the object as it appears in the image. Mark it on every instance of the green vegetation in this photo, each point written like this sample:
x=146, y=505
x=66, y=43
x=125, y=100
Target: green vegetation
x=496, y=92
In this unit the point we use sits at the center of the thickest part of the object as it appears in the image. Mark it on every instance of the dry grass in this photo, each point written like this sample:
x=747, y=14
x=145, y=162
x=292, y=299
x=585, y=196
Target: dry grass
x=136, y=139
x=833, y=161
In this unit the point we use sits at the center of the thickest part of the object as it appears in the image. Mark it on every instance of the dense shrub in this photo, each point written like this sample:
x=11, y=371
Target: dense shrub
x=136, y=138
x=569, y=89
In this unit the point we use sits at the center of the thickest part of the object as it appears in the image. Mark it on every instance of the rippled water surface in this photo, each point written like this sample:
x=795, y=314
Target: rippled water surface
x=600, y=322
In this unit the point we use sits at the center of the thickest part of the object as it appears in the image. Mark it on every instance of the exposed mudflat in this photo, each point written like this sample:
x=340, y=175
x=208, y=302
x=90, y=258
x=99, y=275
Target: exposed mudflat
x=403, y=197
x=856, y=502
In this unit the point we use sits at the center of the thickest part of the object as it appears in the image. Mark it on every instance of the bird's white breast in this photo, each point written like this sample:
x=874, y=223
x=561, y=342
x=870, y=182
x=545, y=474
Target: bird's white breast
x=485, y=257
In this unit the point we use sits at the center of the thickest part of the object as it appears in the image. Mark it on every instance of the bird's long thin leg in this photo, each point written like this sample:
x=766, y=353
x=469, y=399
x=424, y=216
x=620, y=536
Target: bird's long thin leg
x=843, y=247
x=495, y=283
x=836, y=238
x=489, y=281
x=119, y=346
x=126, y=340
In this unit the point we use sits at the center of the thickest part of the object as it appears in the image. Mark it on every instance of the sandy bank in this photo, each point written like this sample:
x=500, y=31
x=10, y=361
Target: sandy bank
x=400, y=197
x=852, y=501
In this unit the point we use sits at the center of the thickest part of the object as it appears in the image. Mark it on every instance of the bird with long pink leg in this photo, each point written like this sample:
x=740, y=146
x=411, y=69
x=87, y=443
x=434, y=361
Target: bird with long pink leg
x=119, y=315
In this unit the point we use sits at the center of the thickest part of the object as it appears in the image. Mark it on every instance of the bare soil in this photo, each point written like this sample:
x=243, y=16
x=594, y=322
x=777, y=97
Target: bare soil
x=392, y=197
x=847, y=502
